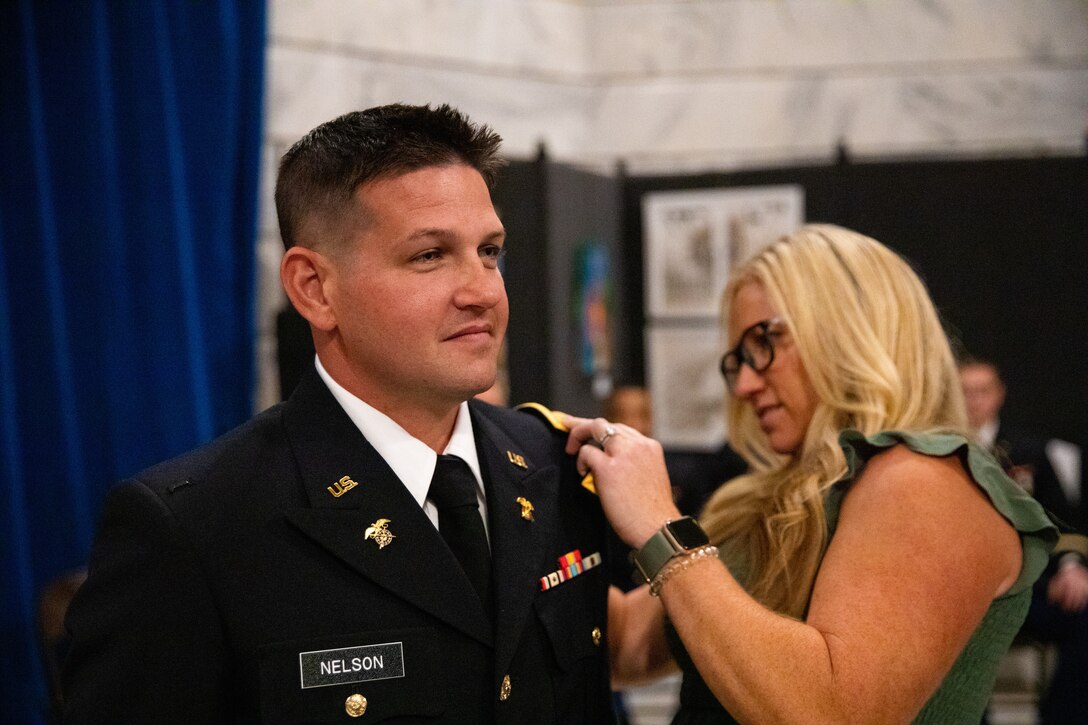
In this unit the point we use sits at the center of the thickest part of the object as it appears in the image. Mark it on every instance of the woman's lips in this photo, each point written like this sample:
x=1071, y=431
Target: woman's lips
x=766, y=414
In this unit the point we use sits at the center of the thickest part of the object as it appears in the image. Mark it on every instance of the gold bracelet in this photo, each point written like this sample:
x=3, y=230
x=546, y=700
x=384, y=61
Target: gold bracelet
x=679, y=564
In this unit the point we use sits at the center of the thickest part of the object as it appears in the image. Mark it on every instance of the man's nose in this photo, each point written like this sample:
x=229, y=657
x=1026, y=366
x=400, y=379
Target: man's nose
x=481, y=286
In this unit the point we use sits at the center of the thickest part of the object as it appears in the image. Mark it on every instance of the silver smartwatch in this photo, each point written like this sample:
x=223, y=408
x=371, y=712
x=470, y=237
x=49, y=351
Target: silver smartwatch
x=674, y=538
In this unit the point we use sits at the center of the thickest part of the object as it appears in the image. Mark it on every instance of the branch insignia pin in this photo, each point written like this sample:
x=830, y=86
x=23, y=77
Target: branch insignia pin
x=526, y=508
x=379, y=532
x=342, y=486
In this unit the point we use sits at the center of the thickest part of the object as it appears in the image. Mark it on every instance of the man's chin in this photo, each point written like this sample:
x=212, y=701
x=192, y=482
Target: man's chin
x=475, y=385
x=479, y=390
x=494, y=394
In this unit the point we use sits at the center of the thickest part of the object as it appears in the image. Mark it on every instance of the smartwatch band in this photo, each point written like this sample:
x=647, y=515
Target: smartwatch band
x=676, y=537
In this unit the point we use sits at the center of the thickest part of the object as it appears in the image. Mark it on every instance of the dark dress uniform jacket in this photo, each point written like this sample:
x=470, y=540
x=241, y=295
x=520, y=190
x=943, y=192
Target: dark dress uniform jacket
x=217, y=578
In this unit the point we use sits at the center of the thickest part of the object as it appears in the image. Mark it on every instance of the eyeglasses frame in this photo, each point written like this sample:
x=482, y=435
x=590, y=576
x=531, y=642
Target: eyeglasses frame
x=742, y=357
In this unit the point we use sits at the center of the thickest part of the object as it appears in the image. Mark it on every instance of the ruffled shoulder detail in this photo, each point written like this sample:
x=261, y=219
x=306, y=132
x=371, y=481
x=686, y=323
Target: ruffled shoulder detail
x=1038, y=534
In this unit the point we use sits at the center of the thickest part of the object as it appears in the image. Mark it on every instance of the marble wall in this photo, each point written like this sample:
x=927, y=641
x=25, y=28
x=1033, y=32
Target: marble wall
x=684, y=85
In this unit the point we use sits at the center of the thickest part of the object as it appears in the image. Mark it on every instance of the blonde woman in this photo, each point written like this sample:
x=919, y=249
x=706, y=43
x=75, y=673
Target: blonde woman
x=875, y=564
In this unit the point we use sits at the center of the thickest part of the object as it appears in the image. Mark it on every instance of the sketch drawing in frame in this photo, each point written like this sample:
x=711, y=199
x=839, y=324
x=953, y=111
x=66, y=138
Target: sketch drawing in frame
x=693, y=238
x=685, y=385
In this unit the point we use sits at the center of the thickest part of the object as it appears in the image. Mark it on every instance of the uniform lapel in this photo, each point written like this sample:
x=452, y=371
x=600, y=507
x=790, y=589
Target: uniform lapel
x=518, y=545
x=416, y=564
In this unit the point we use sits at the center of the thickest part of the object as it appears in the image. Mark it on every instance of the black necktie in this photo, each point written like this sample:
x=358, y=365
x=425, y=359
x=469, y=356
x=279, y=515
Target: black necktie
x=453, y=491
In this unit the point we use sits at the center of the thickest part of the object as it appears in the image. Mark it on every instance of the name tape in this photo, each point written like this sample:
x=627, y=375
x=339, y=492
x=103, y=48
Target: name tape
x=321, y=668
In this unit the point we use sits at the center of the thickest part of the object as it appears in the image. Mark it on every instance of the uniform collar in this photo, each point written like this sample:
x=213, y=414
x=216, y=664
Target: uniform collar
x=410, y=458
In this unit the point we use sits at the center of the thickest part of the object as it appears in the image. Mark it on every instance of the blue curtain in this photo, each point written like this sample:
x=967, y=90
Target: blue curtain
x=129, y=146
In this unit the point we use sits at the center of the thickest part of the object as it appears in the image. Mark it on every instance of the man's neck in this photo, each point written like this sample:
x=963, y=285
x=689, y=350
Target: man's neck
x=430, y=424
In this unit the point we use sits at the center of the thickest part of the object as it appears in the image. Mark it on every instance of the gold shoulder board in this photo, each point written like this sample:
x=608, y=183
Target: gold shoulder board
x=554, y=418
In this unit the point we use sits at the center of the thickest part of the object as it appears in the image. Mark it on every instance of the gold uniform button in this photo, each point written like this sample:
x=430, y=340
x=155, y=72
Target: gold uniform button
x=596, y=635
x=355, y=705
x=504, y=689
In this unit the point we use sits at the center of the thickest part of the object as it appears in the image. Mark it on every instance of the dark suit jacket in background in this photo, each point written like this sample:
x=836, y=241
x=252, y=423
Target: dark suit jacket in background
x=1018, y=449
x=212, y=572
x=1064, y=699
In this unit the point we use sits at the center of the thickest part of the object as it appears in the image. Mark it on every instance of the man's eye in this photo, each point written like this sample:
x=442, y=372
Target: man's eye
x=491, y=254
x=429, y=256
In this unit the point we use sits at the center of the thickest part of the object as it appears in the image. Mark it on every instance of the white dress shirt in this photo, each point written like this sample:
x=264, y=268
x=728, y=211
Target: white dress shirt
x=987, y=434
x=410, y=458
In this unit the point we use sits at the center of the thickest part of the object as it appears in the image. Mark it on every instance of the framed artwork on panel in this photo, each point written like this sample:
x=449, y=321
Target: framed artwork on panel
x=693, y=238
x=685, y=386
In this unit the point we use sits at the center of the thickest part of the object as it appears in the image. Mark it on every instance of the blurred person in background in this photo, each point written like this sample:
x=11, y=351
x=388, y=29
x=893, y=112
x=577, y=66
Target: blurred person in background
x=1059, y=607
x=1022, y=454
x=631, y=405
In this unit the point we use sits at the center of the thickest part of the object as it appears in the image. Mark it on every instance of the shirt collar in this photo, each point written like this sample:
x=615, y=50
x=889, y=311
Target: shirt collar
x=411, y=459
x=987, y=433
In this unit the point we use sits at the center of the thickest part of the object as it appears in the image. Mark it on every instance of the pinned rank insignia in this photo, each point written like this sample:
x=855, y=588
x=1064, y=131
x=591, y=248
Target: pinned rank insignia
x=379, y=532
x=571, y=565
x=526, y=508
x=342, y=486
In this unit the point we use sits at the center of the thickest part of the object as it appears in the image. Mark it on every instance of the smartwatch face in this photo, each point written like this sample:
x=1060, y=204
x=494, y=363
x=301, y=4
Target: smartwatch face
x=688, y=533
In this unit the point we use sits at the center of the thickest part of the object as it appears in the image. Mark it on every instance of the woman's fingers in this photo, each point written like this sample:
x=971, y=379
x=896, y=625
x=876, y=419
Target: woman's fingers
x=586, y=430
x=595, y=431
x=589, y=457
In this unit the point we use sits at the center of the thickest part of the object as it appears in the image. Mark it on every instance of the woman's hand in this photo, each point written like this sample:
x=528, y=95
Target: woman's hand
x=629, y=470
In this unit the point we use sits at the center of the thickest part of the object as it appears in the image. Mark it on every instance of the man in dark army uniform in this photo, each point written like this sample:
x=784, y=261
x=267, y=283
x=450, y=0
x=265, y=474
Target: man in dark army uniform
x=379, y=546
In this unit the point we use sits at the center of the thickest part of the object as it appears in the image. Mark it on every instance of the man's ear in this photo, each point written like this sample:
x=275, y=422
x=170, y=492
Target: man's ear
x=305, y=275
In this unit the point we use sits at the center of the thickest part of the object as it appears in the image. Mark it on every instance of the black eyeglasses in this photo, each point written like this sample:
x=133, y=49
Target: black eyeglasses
x=754, y=349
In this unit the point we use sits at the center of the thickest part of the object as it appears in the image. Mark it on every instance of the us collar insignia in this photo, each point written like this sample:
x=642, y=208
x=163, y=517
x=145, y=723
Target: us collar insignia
x=571, y=565
x=526, y=508
x=379, y=532
x=517, y=459
x=341, y=487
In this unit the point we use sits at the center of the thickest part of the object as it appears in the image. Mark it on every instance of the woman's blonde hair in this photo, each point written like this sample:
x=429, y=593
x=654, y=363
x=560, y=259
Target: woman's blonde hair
x=877, y=358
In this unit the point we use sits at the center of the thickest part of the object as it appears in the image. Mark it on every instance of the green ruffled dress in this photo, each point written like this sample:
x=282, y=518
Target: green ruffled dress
x=963, y=694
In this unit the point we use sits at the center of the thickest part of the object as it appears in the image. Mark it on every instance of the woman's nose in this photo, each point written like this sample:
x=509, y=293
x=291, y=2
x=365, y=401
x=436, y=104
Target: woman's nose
x=748, y=382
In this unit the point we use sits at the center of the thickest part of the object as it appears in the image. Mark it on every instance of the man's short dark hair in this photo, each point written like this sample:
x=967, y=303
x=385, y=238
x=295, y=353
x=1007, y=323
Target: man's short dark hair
x=318, y=176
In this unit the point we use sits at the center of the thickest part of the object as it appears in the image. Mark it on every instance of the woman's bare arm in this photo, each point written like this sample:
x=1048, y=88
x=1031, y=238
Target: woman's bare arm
x=637, y=649
x=918, y=556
